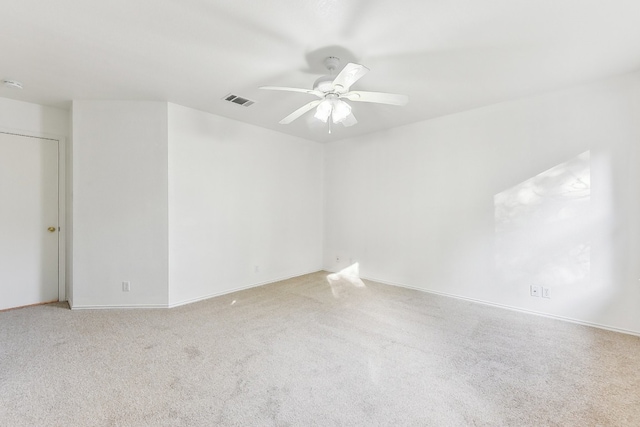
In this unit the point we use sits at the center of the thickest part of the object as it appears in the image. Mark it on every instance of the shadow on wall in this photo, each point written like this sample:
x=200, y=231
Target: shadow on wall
x=543, y=227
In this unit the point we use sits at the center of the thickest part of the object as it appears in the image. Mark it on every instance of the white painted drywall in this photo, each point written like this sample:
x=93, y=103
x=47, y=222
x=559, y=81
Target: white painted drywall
x=478, y=204
x=120, y=203
x=33, y=118
x=240, y=197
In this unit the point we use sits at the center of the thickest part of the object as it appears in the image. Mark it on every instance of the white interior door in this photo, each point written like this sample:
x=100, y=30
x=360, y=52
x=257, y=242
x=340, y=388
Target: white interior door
x=28, y=220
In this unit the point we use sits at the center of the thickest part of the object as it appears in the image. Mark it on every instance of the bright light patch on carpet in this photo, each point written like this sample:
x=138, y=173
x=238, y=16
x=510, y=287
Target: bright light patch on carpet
x=344, y=280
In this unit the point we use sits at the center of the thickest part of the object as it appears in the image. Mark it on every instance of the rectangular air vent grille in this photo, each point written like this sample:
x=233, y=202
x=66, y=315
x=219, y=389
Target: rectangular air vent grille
x=239, y=100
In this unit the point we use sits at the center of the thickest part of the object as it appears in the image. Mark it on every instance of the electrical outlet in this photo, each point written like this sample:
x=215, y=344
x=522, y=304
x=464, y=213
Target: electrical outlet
x=546, y=293
x=337, y=259
x=126, y=286
x=256, y=269
x=535, y=290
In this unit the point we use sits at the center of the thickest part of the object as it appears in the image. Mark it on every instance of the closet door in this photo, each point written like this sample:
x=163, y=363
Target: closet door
x=28, y=220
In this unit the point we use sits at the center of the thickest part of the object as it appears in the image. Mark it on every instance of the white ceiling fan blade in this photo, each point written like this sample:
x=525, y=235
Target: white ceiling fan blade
x=350, y=120
x=295, y=89
x=378, y=97
x=350, y=74
x=300, y=111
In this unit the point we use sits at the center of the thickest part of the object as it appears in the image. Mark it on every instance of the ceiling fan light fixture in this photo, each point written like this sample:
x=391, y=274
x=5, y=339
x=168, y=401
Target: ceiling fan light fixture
x=340, y=111
x=324, y=110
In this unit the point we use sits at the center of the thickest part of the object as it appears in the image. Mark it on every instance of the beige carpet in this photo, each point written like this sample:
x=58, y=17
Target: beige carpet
x=306, y=352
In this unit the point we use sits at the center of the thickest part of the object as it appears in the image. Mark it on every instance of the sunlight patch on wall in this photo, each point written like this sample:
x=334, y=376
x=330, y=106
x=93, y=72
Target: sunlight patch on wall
x=542, y=227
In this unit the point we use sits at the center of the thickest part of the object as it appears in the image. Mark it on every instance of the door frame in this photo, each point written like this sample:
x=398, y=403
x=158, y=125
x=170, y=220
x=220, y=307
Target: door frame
x=62, y=206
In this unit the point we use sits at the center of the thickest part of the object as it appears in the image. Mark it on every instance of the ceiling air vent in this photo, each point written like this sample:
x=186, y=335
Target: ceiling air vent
x=239, y=100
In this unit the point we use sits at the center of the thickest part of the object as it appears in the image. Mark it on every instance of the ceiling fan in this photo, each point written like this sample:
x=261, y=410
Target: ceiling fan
x=333, y=91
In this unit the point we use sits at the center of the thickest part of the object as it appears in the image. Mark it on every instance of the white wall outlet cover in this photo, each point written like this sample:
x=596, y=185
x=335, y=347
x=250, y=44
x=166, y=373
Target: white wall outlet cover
x=546, y=293
x=535, y=290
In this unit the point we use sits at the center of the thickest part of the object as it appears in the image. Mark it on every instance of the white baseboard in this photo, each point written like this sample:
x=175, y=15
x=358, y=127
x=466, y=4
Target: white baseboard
x=508, y=307
x=241, y=288
x=111, y=307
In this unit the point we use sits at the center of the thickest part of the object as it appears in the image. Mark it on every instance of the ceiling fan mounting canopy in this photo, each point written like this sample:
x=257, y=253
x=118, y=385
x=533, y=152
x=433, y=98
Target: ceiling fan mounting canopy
x=332, y=63
x=333, y=90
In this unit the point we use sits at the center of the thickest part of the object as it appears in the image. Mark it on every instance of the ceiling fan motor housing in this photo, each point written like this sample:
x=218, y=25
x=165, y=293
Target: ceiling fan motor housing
x=324, y=84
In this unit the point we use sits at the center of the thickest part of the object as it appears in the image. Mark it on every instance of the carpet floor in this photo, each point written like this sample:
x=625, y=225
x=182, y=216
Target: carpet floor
x=313, y=351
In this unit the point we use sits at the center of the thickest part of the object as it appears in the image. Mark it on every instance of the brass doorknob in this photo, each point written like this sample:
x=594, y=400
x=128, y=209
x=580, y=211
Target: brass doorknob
x=51, y=229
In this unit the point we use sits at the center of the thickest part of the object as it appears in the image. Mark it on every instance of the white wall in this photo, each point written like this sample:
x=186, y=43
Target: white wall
x=33, y=118
x=120, y=203
x=240, y=197
x=485, y=203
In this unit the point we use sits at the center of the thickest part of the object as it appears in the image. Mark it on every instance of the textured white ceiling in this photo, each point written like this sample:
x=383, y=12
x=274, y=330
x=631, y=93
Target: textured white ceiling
x=447, y=55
